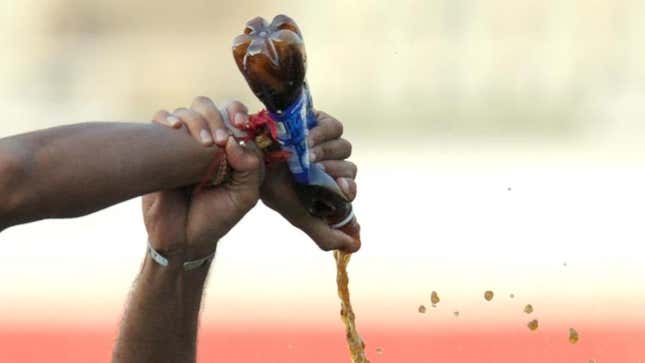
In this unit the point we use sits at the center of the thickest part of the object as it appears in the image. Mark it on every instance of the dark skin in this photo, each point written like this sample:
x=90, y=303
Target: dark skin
x=75, y=170
x=161, y=319
x=160, y=322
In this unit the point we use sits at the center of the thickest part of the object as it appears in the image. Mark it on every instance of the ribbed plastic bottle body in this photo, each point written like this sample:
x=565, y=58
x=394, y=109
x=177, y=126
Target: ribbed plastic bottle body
x=272, y=58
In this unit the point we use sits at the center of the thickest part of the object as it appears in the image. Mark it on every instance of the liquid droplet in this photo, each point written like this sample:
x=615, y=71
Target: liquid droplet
x=573, y=336
x=533, y=324
x=434, y=298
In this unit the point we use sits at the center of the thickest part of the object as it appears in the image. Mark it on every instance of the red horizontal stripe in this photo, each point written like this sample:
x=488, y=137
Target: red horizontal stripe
x=247, y=344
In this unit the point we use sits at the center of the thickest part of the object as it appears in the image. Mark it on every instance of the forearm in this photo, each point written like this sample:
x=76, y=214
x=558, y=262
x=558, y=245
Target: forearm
x=74, y=170
x=160, y=322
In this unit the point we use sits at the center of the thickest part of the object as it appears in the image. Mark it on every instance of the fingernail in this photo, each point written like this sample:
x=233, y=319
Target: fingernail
x=322, y=166
x=172, y=120
x=312, y=156
x=220, y=136
x=205, y=136
x=241, y=119
x=344, y=185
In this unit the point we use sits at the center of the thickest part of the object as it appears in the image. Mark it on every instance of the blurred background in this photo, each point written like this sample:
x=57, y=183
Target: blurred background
x=499, y=143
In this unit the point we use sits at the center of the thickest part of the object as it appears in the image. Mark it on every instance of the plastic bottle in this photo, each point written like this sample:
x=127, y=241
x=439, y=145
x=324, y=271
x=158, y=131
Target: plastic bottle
x=272, y=58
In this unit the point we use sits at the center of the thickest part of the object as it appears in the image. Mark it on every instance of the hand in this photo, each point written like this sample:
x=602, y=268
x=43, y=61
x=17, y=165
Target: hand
x=277, y=191
x=192, y=223
x=329, y=150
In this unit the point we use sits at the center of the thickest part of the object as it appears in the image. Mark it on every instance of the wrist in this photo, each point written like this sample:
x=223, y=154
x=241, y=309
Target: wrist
x=181, y=257
x=174, y=273
x=181, y=250
x=171, y=284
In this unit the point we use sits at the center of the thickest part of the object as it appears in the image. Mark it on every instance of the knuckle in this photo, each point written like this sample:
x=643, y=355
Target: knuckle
x=325, y=150
x=354, y=169
x=202, y=101
x=346, y=147
x=315, y=136
x=352, y=187
x=208, y=110
x=227, y=103
x=230, y=108
x=236, y=106
x=191, y=117
x=204, y=106
x=181, y=112
x=322, y=115
x=318, y=150
x=323, y=120
x=159, y=115
x=338, y=128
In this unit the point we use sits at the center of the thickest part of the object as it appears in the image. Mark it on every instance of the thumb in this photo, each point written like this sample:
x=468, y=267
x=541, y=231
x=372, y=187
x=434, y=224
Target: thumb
x=246, y=164
x=241, y=159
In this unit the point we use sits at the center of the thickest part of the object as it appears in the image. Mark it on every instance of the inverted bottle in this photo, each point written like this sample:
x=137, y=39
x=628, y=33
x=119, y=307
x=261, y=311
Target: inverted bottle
x=273, y=61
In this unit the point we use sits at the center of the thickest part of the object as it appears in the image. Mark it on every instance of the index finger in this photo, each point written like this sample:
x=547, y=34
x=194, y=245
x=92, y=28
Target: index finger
x=236, y=117
x=207, y=109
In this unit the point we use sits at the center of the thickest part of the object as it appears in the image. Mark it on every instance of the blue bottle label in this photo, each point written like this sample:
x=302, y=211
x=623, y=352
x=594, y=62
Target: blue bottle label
x=293, y=126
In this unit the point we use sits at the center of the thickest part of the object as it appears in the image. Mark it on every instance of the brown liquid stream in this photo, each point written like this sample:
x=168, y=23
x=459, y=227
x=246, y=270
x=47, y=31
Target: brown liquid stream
x=272, y=58
x=354, y=342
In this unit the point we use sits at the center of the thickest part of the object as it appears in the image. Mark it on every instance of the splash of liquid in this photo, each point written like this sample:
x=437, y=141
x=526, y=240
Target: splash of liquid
x=354, y=342
x=434, y=298
x=573, y=336
x=533, y=324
